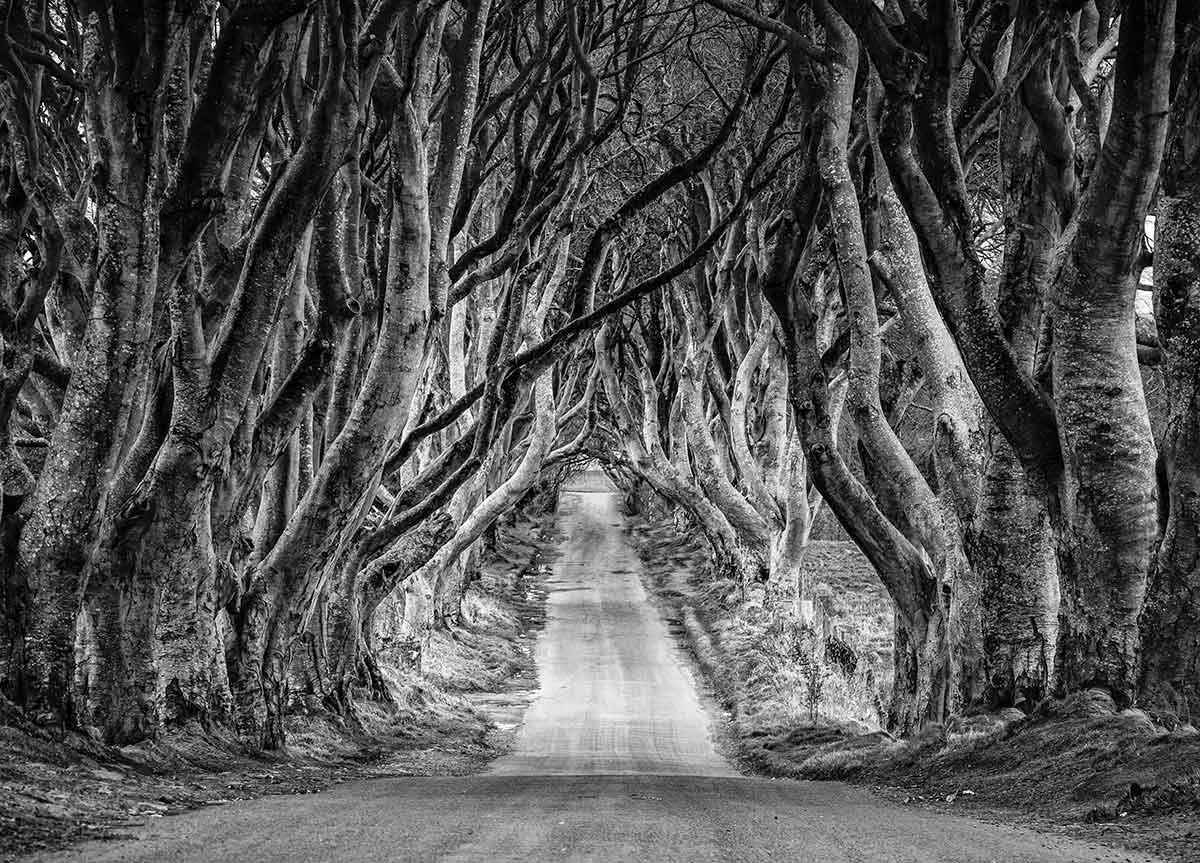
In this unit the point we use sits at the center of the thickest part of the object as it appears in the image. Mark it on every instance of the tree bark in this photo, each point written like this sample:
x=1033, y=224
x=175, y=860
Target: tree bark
x=1170, y=625
x=1108, y=520
x=69, y=502
x=284, y=586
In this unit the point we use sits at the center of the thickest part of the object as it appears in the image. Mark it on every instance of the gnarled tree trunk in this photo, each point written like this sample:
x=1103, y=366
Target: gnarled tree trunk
x=1171, y=621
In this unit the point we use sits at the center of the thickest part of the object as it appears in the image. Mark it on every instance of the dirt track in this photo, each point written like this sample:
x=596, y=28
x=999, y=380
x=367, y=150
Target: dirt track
x=614, y=762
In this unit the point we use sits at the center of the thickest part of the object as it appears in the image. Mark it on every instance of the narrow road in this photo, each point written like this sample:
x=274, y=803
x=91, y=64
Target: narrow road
x=614, y=698
x=614, y=763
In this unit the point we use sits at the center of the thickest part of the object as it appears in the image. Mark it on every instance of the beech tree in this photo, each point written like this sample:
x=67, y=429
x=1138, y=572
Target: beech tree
x=1043, y=365
x=300, y=298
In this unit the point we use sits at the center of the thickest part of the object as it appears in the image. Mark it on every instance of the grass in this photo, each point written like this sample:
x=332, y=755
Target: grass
x=770, y=668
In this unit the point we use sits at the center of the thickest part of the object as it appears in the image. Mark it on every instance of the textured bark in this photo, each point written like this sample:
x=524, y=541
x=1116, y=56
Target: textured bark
x=154, y=609
x=158, y=571
x=452, y=145
x=956, y=437
x=1171, y=620
x=283, y=587
x=1012, y=545
x=365, y=587
x=1108, y=511
x=1103, y=505
x=904, y=493
x=752, y=475
x=1011, y=548
x=69, y=502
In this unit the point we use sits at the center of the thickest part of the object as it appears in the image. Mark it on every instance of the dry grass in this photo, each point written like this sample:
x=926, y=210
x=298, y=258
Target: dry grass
x=768, y=667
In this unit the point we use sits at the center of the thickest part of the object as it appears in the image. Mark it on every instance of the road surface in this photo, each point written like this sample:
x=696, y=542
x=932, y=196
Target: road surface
x=614, y=763
x=614, y=698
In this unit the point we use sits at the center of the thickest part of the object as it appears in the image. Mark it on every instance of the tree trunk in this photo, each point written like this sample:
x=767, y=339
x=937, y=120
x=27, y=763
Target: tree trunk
x=286, y=584
x=153, y=598
x=922, y=685
x=69, y=501
x=1171, y=620
x=1108, y=521
x=1011, y=544
x=364, y=588
x=1107, y=524
x=1012, y=550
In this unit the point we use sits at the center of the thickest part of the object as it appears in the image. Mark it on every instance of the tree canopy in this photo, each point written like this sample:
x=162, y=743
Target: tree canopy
x=298, y=298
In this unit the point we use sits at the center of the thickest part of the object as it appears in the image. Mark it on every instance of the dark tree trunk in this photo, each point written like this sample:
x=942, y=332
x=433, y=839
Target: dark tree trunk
x=69, y=503
x=1108, y=519
x=1012, y=541
x=1171, y=620
x=1012, y=550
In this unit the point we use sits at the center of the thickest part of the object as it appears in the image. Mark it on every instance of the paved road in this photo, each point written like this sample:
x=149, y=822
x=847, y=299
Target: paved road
x=614, y=697
x=614, y=763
